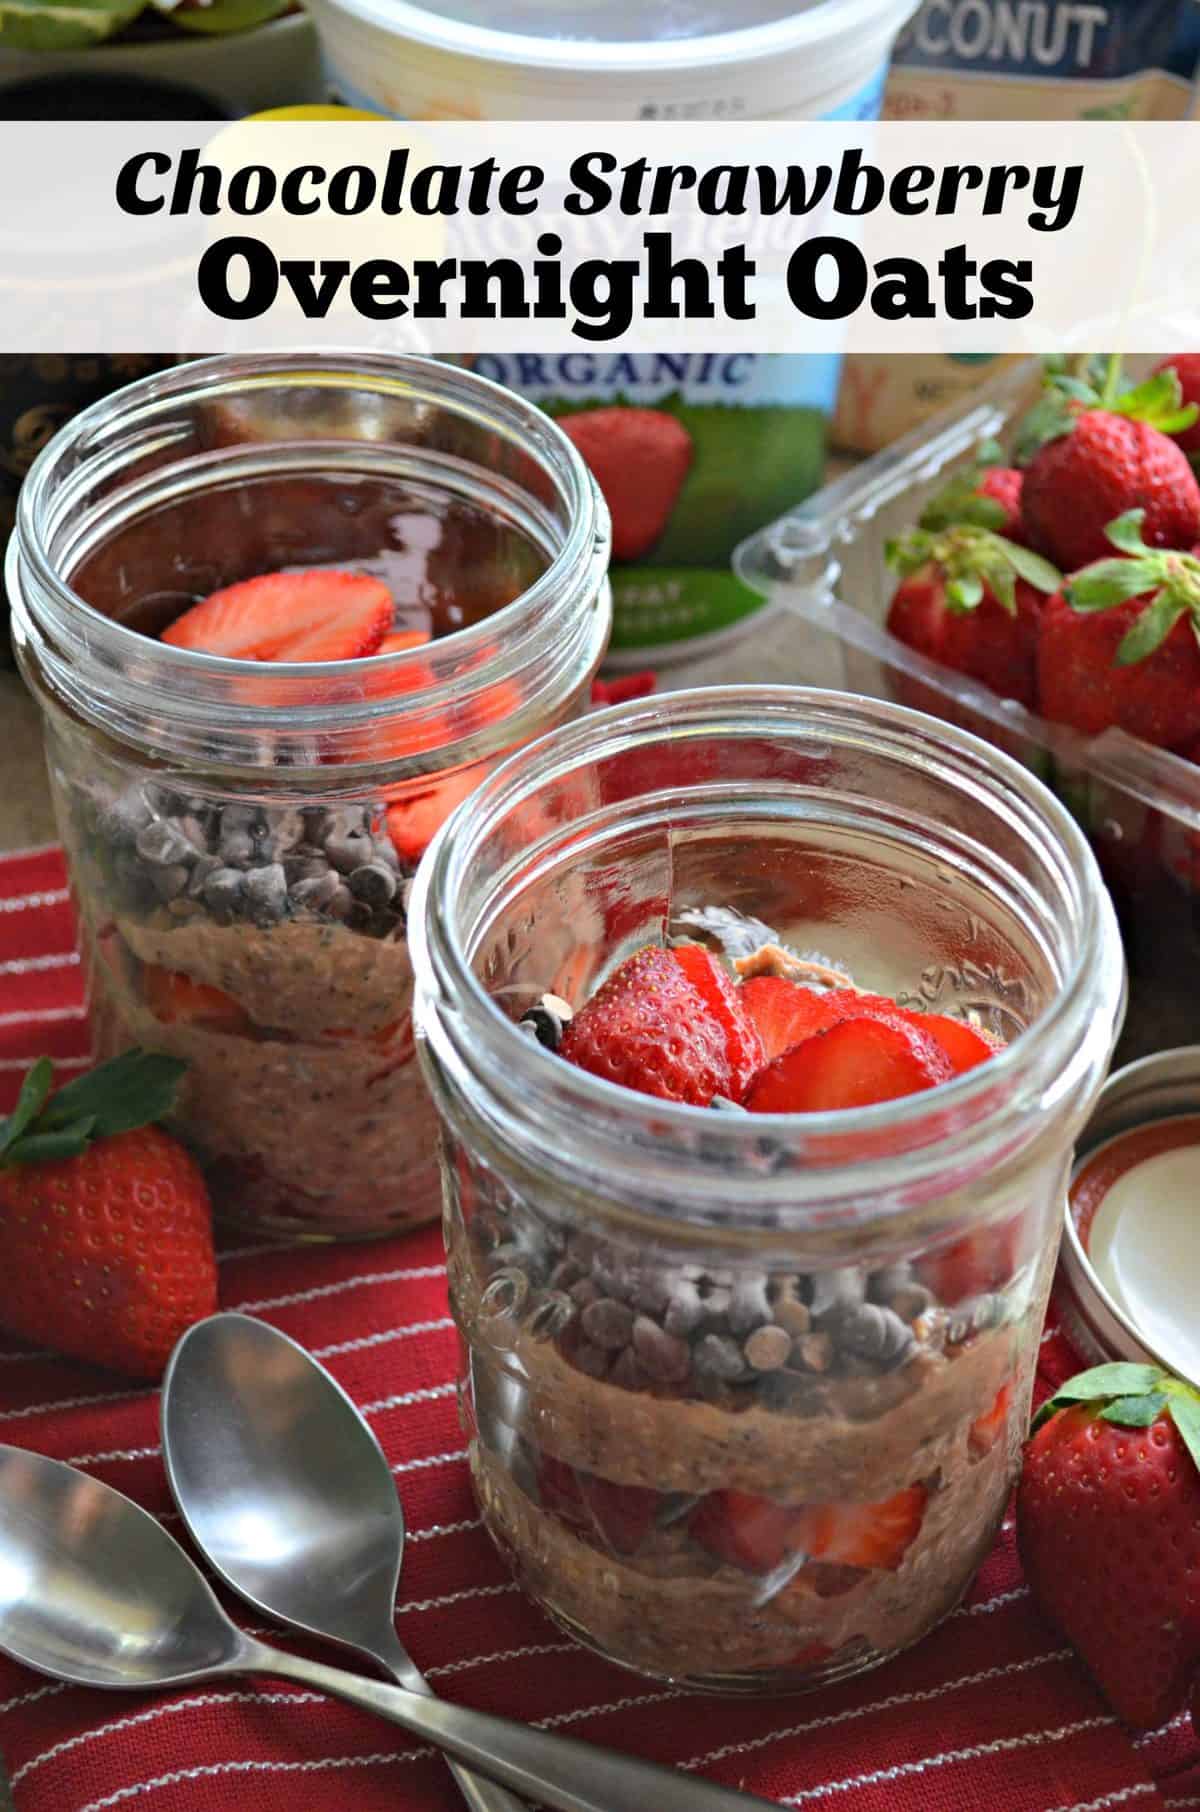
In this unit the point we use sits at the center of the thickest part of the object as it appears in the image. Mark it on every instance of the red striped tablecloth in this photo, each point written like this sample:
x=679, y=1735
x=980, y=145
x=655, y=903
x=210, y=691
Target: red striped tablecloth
x=992, y=1712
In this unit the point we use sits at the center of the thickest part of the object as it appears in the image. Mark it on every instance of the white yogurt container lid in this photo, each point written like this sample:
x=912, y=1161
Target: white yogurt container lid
x=504, y=59
x=1131, y=1243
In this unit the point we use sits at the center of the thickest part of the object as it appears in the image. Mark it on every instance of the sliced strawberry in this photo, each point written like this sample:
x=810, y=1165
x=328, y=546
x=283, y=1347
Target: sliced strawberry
x=867, y=1535
x=786, y=1013
x=313, y=616
x=853, y=1064
x=401, y=640
x=177, y=999
x=987, y=1429
x=974, y=1265
x=650, y=1029
x=413, y=823
x=747, y=1531
x=743, y=1046
x=619, y=1517
x=966, y=1046
x=758, y=1535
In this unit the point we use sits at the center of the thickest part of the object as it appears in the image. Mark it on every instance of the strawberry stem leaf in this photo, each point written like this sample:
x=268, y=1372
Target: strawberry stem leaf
x=1185, y=1413
x=1135, y=1412
x=972, y=560
x=64, y=1142
x=960, y=500
x=132, y=1090
x=30, y=1102
x=1151, y=630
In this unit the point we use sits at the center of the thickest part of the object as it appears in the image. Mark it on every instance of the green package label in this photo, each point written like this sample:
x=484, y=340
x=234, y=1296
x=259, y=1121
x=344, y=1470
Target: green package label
x=693, y=453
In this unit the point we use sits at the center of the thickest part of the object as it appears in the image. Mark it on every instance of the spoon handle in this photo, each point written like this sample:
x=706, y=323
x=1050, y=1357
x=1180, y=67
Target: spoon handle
x=480, y=1795
x=550, y=1770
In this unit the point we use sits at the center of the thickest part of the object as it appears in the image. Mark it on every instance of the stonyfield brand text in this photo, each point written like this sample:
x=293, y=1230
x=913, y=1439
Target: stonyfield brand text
x=689, y=263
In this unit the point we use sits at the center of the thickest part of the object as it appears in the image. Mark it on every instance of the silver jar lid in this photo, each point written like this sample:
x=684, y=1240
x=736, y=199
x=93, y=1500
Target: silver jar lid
x=1131, y=1244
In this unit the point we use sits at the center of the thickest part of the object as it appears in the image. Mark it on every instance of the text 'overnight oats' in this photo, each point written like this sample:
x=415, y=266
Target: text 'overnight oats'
x=730, y=1470
x=302, y=608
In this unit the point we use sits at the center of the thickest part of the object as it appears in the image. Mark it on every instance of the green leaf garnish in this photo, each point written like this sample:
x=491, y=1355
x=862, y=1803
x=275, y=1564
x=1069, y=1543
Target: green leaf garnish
x=1185, y=1413
x=1169, y=580
x=132, y=1090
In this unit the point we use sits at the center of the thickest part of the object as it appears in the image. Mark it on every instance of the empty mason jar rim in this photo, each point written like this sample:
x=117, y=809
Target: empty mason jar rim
x=540, y=634
x=927, y=1144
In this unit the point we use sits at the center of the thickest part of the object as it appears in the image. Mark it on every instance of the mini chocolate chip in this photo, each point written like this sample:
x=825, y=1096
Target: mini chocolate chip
x=126, y=816
x=685, y=1311
x=768, y=1349
x=653, y=1291
x=204, y=867
x=349, y=849
x=616, y=1276
x=591, y=1360
x=196, y=831
x=566, y=1273
x=385, y=851
x=883, y=1284
x=875, y=1334
x=584, y=1292
x=374, y=883
x=665, y=1358
x=748, y=1305
x=235, y=847
x=266, y=894
x=813, y=1353
x=627, y=1373
x=788, y=1311
x=163, y=844
x=714, y=1308
x=306, y=868
x=223, y=891
x=341, y=902
x=283, y=830
x=716, y=1356
x=608, y=1324
x=314, y=894
x=542, y=1027
x=910, y=1301
x=169, y=883
x=833, y=1292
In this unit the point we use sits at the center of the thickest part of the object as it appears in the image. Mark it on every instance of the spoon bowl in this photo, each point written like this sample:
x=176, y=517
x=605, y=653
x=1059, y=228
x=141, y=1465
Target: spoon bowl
x=93, y=1590
x=280, y=1483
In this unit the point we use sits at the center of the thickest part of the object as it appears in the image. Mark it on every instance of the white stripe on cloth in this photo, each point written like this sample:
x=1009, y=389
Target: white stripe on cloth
x=60, y=1063
x=427, y=1395
x=207, y=1771
x=410, y=1275
x=32, y=902
x=42, y=1016
x=1032, y=1739
x=1118, y=1798
x=35, y=965
x=830, y=1719
x=170, y=1708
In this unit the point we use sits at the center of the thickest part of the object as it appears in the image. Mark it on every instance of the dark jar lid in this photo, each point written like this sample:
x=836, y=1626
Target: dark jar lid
x=1131, y=1239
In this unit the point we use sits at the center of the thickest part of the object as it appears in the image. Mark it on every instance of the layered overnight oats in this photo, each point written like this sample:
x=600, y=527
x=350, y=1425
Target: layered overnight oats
x=757, y=1100
x=282, y=616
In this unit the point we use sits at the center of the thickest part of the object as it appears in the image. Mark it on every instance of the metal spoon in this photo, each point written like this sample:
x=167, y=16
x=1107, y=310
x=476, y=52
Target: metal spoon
x=94, y=1591
x=286, y=1492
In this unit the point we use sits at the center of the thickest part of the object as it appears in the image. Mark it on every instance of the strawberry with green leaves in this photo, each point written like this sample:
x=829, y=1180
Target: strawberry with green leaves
x=1119, y=646
x=1093, y=452
x=1186, y=367
x=970, y=599
x=984, y=494
x=1108, y=1527
x=105, y=1229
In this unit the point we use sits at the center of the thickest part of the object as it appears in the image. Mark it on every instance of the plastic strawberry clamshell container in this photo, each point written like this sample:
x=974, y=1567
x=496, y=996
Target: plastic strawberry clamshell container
x=823, y=571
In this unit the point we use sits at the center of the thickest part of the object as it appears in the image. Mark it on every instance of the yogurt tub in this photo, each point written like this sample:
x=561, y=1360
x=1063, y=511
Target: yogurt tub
x=692, y=452
x=827, y=59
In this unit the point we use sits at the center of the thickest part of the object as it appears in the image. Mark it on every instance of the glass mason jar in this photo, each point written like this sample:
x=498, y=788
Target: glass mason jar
x=745, y=1394
x=241, y=835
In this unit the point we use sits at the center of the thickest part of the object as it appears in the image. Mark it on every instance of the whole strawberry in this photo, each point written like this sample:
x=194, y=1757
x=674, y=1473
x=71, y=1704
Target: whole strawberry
x=105, y=1229
x=1186, y=367
x=1108, y=1526
x=1100, y=454
x=639, y=458
x=668, y=1023
x=970, y=599
x=984, y=494
x=1117, y=647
